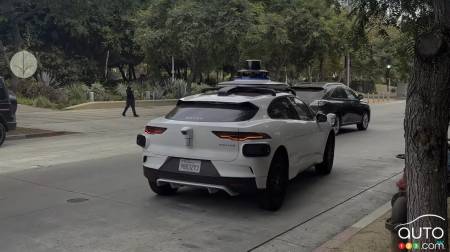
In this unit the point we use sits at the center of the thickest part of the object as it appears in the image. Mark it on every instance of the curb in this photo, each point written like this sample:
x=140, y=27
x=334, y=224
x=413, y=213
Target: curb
x=36, y=135
x=120, y=104
x=348, y=233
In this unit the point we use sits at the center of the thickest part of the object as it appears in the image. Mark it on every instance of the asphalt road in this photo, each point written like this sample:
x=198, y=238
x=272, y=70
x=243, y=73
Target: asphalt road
x=106, y=204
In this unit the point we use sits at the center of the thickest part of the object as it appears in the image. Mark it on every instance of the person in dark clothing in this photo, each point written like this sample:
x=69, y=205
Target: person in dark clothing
x=130, y=102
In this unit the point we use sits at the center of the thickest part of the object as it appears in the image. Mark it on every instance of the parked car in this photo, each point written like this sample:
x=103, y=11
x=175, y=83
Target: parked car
x=247, y=136
x=336, y=98
x=8, y=107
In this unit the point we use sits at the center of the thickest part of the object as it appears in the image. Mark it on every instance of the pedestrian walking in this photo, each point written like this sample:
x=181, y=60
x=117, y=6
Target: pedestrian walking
x=130, y=102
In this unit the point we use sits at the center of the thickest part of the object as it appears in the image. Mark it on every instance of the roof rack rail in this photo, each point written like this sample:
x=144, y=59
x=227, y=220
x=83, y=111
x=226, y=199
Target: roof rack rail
x=234, y=89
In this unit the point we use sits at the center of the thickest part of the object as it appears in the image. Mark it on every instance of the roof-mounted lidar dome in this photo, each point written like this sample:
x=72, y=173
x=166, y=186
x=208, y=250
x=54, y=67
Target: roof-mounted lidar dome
x=252, y=74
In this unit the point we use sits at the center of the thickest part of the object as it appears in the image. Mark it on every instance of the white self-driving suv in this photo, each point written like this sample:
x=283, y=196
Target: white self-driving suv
x=238, y=138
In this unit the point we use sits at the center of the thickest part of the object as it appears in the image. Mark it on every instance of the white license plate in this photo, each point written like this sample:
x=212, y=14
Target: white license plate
x=188, y=165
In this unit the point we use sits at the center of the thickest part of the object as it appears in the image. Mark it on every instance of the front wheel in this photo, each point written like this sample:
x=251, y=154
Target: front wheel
x=272, y=197
x=325, y=167
x=165, y=189
x=2, y=134
x=364, y=124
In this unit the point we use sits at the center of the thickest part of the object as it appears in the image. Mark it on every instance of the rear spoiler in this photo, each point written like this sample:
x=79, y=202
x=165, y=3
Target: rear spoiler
x=218, y=104
x=308, y=88
x=228, y=90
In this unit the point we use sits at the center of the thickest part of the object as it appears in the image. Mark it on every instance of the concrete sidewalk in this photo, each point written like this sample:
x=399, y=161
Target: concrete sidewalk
x=86, y=121
x=100, y=133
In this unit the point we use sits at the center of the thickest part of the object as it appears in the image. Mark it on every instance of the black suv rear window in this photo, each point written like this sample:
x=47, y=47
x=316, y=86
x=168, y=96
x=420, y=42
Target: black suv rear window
x=212, y=112
x=309, y=94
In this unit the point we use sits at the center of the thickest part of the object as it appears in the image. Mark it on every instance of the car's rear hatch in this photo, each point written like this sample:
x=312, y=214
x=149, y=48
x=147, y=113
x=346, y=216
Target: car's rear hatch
x=204, y=144
x=200, y=122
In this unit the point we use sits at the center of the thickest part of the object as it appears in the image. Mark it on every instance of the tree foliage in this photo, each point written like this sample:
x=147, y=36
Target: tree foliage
x=207, y=39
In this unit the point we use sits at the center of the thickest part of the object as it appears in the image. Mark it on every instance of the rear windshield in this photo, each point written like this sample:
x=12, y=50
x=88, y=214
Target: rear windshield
x=308, y=95
x=212, y=112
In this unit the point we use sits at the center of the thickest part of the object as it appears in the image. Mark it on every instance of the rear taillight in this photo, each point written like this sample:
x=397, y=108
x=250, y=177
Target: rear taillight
x=241, y=136
x=152, y=130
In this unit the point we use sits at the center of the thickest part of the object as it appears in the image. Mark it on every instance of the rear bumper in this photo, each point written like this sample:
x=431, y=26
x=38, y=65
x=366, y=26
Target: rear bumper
x=11, y=125
x=231, y=185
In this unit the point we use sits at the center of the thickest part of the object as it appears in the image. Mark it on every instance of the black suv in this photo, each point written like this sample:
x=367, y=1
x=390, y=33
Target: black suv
x=8, y=107
x=336, y=98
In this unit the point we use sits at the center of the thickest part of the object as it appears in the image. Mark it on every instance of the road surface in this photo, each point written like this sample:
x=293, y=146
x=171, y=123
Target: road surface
x=56, y=194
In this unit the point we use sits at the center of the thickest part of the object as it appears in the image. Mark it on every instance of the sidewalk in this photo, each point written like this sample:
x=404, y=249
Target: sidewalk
x=86, y=121
x=372, y=237
x=100, y=133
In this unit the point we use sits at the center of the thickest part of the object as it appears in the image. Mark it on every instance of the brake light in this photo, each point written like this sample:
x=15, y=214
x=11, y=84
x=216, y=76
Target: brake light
x=152, y=130
x=241, y=136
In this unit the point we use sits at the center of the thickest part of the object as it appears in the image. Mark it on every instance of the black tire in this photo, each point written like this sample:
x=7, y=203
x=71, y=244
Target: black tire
x=272, y=197
x=364, y=124
x=2, y=134
x=325, y=167
x=337, y=125
x=164, y=190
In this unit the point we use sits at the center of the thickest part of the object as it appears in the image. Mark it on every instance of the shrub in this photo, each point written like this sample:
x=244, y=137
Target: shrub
x=43, y=102
x=32, y=90
x=100, y=93
x=77, y=92
x=175, y=89
x=121, y=89
x=24, y=100
x=197, y=88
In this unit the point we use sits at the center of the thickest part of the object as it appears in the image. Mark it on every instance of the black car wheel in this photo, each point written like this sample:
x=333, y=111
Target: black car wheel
x=165, y=189
x=337, y=125
x=325, y=167
x=2, y=133
x=272, y=197
x=364, y=124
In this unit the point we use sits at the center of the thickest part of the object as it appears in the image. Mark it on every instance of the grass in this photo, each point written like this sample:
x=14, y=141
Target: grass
x=25, y=101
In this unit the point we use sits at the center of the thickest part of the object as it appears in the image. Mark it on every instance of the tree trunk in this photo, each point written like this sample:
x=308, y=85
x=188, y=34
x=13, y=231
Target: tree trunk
x=321, y=69
x=122, y=72
x=426, y=124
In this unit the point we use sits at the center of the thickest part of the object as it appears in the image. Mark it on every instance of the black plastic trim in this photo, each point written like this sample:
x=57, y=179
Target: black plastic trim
x=256, y=150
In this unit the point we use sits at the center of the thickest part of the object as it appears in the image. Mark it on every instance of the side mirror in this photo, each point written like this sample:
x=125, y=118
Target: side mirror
x=360, y=96
x=321, y=117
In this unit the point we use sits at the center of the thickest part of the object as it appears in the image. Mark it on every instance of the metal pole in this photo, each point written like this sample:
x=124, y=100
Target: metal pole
x=389, y=87
x=173, y=69
x=285, y=70
x=348, y=69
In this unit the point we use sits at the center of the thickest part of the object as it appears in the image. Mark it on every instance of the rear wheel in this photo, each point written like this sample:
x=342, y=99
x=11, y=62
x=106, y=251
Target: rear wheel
x=2, y=133
x=272, y=197
x=325, y=167
x=364, y=124
x=165, y=189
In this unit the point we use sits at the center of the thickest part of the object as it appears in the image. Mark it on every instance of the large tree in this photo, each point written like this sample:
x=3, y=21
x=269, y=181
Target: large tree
x=427, y=105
